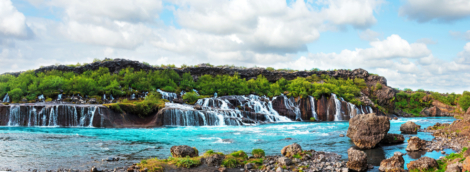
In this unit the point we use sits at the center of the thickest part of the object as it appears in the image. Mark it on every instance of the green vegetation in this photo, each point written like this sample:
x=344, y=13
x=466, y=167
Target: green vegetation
x=411, y=103
x=464, y=100
x=153, y=165
x=191, y=97
x=258, y=153
x=151, y=103
x=449, y=99
x=312, y=118
x=449, y=159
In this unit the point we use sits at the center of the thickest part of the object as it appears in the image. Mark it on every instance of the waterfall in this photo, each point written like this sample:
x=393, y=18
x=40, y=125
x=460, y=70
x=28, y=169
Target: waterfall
x=167, y=95
x=59, y=97
x=312, y=105
x=41, y=97
x=370, y=110
x=104, y=96
x=338, y=116
x=133, y=96
x=14, y=119
x=6, y=98
x=351, y=108
x=111, y=96
x=293, y=106
x=215, y=95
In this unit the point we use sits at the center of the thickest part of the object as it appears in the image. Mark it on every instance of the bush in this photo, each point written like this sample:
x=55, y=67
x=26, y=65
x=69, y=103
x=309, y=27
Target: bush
x=239, y=154
x=230, y=162
x=191, y=97
x=168, y=89
x=464, y=100
x=15, y=94
x=378, y=86
x=270, y=69
x=258, y=153
x=312, y=118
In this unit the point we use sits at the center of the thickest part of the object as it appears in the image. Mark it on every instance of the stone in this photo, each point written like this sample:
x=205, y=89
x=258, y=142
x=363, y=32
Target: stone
x=284, y=161
x=395, y=118
x=466, y=164
x=455, y=167
x=214, y=160
x=366, y=131
x=198, y=107
x=415, y=144
x=183, y=151
x=291, y=150
x=222, y=169
x=443, y=152
x=94, y=169
x=392, y=139
x=92, y=101
x=341, y=135
x=409, y=128
x=357, y=160
x=249, y=166
x=422, y=164
x=396, y=163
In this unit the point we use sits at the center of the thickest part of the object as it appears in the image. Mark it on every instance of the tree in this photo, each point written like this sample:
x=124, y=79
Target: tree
x=16, y=94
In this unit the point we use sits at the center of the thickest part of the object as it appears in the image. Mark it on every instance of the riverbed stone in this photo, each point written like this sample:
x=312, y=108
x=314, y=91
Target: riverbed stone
x=214, y=160
x=422, y=164
x=396, y=163
x=409, y=128
x=291, y=150
x=392, y=139
x=284, y=161
x=366, y=131
x=415, y=144
x=357, y=160
x=183, y=151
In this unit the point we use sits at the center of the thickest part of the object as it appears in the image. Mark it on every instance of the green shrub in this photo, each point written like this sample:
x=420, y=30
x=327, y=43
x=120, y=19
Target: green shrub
x=312, y=118
x=464, y=100
x=239, y=154
x=258, y=153
x=191, y=97
x=270, y=69
x=378, y=86
x=230, y=162
x=168, y=89
x=187, y=162
x=297, y=156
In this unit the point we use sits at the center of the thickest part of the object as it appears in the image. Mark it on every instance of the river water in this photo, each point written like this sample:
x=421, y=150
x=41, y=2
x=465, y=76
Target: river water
x=44, y=148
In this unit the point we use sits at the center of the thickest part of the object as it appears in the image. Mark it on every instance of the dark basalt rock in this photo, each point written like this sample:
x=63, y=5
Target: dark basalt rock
x=183, y=151
x=392, y=139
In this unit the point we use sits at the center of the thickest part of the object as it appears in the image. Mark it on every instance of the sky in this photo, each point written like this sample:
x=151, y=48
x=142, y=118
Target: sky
x=417, y=44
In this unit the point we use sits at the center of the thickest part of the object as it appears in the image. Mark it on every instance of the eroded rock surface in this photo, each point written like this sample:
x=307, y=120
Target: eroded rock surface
x=366, y=131
x=392, y=139
x=422, y=164
x=396, y=163
x=183, y=151
x=291, y=150
x=409, y=128
x=357, y=160
x=415, y=144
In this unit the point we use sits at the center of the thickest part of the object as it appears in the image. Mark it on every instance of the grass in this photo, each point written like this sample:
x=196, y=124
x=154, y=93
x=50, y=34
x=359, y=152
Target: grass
x=298, y=156
x=258, y=153
x=153, y=165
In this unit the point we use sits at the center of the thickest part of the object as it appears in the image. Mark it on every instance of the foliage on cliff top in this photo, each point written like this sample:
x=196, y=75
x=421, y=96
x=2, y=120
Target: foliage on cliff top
x=151, y=103
x=411, y=103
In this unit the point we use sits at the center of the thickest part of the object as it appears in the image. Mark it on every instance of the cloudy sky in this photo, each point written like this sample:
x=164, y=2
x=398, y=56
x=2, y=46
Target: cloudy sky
x=413, y=43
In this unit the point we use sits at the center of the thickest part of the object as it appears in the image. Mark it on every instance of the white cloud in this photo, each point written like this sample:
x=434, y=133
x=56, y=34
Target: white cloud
x=12, y=22
x=460, y=35
x=394, y=46
x=369, y=35
x=349, y=12
x=440, y=10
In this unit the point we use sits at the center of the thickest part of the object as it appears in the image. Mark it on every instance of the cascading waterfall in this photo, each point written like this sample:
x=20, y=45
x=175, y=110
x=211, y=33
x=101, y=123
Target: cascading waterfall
x=338, y=116
x=41, y=97
x=53, y=116
x=59, y=97
x=312, y=105
x=293, y=106
x=111, y=96
x=133, y=97
x=167, y=95
x=6, y=98
x=104, y=96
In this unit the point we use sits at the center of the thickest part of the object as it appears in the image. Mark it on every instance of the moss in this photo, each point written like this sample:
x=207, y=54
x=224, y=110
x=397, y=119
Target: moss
x=312, y=118
x=258, y=152
x=230, y=162
x=153, y=165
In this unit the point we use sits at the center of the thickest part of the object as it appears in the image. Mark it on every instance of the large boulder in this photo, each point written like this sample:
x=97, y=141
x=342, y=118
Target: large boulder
x=422, y=164
x=415, y=144
x=183, y=151
x=214, y=159
x=409, y=128
x=291, y=150
x=466, y=164
x=396, y=163
x=392, y=139
x=368, y=130
x=357, y=160
x=284, y=161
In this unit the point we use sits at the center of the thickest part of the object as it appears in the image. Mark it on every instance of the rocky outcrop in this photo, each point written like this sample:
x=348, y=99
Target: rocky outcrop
x=366, y=131
x=415, y=144
x=291, y=150
x=466, y=164
x=284, y=161
x=409, y=128
x=183, y=151
x=396, y=163
x=422, y=164
x=392, y=139
x=439, y=109
x=214, y=160
x=357, y=160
